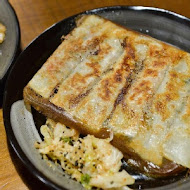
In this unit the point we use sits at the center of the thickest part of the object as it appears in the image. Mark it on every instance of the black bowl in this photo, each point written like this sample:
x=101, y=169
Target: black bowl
x=21, y=131
x=10, y=47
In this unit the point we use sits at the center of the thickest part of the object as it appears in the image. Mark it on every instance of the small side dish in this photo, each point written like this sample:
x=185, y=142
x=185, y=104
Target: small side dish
x=91, y=161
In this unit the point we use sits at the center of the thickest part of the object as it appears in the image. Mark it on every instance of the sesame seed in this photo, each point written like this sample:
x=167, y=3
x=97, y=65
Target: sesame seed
x=76, y=163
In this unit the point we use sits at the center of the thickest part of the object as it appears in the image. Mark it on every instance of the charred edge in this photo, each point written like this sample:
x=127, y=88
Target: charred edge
x=123, y=92
x=168, y=168
x=138, y=66
x=59, y=114
x=108, y=70
x=119, y=98
x=54, y=91
x=128, y=48
x=95, y=43
x=95, y=52
x=129, y=81
x=73, y=102
x=62, y=38
x=123, y=43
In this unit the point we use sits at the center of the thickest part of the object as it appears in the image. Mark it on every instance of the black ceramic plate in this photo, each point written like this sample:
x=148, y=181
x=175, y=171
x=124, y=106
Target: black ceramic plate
x=22, y=133
x=10, y=46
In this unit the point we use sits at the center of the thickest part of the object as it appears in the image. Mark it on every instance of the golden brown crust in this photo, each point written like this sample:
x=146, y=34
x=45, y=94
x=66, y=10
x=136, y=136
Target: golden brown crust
x=58, y=114
x=107, y=78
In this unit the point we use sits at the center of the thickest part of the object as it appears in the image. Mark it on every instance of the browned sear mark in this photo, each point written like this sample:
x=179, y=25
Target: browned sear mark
x=151, y=72
x=130, y=51
x=74, y=101
x=142, y=88
x=105, y=92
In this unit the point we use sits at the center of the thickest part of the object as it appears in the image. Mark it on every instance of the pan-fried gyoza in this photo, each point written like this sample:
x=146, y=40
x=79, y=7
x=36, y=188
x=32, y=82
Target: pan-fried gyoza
x=107, y=80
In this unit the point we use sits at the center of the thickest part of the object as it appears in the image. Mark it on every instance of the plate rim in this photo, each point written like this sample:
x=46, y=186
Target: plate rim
x=17, y=46
x=6, y=111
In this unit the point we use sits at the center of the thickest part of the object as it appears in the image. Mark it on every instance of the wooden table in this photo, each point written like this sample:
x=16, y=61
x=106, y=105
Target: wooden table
x=34, y=17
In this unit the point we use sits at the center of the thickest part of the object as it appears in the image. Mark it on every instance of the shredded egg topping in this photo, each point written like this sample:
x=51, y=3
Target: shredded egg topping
x=91, y=161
